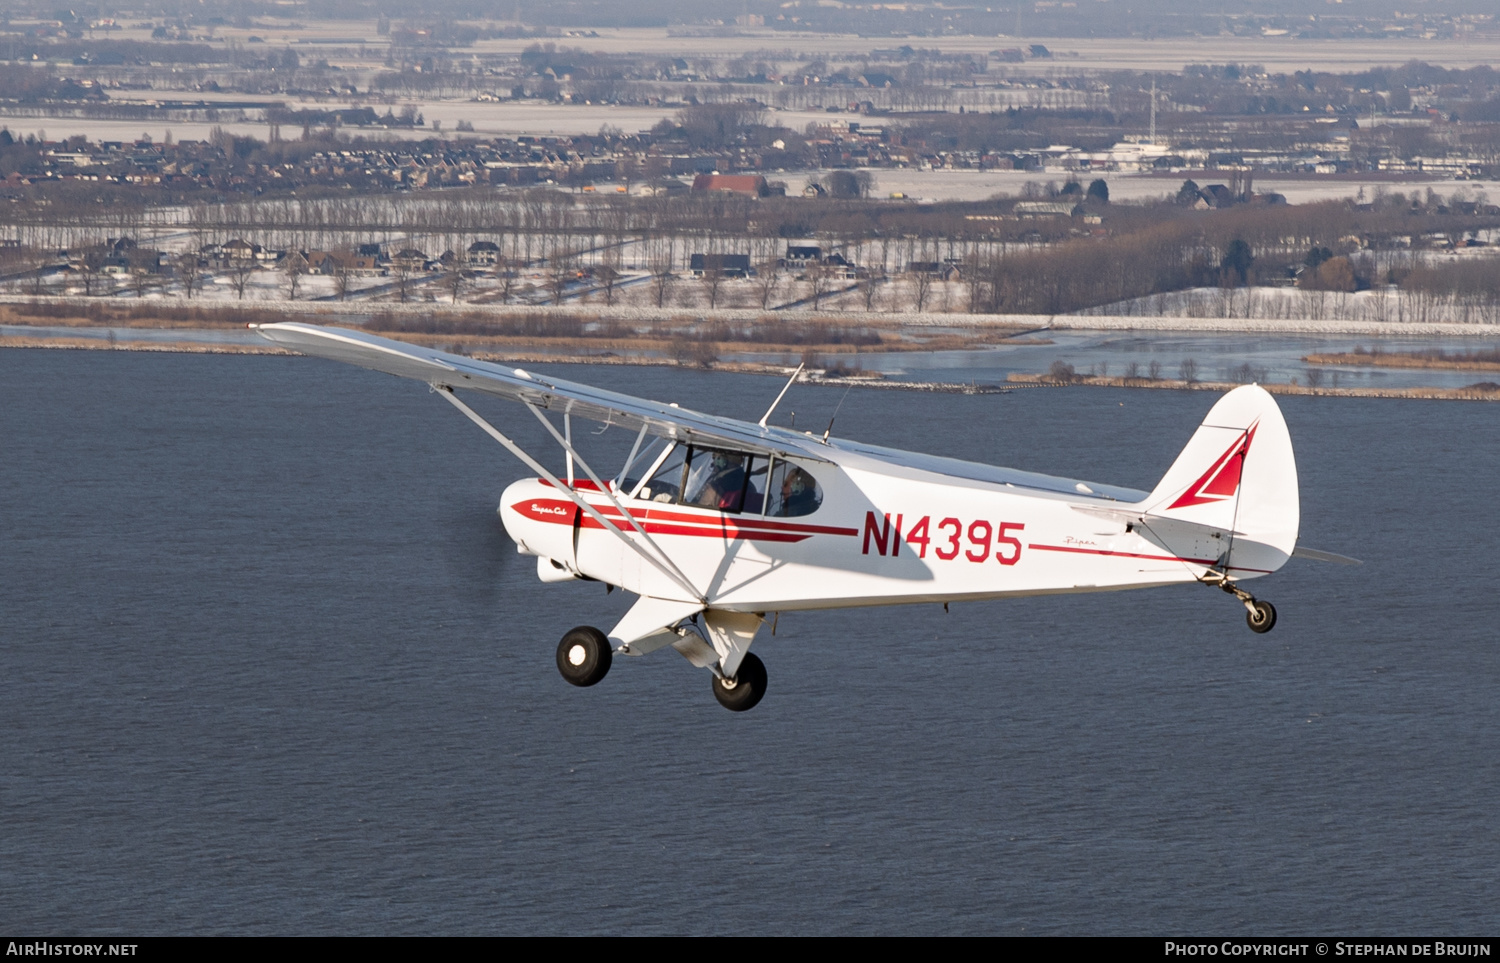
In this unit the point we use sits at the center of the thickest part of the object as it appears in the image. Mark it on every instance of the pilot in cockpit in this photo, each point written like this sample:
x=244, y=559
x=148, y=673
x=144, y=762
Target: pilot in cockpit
x=725, y=486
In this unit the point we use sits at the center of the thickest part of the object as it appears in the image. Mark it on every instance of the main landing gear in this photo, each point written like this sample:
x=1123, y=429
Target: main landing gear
x=746, y=688
x=1260, y=615
x=584, y=656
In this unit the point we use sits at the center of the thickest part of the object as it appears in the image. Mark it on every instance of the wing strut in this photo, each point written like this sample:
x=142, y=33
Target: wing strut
x=634, y=450
x=536, y=466
x=573, y=456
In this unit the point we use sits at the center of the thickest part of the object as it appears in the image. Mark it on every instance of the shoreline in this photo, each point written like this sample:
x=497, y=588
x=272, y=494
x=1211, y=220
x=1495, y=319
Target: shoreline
x=330, y=312
x=1468, y=393
x=1403, y=361
x=1015, y=381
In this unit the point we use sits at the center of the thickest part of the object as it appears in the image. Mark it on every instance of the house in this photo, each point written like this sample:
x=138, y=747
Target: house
x=800, y=255
x=752, y=185
x=363, y=265
x=725, y=265
x=239, y=251
x=409, y=259
x=838, y=267
x=483, y=254
x=323, y=263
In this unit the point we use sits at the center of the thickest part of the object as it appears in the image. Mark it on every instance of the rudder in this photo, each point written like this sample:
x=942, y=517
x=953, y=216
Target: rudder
x=1236, y=481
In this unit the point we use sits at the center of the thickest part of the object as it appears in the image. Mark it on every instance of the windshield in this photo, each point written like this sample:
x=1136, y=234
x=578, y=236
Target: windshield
x=727, y=481
x=665, y=483
x=641, y=464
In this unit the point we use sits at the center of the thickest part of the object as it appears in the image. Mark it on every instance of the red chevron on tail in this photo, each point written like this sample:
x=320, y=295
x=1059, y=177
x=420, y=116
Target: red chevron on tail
x=1222, y=479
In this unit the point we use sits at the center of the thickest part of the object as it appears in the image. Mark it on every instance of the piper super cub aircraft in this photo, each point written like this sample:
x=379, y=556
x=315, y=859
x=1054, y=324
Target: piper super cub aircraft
x=716, y=523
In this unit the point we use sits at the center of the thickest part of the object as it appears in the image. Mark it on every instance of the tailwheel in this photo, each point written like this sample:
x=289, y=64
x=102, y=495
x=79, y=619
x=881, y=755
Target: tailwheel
x=584, y=655
x=1261, y=616
x=745, y=689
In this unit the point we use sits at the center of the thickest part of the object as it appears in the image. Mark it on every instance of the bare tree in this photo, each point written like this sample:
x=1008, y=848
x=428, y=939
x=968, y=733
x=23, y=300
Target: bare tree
x=713, y=278
x=454, y=281
x=1188, y=370
x=293, y=268
x=609, y=280
x=819, y=279
x=144, y=263
x=768, y=274
x=240, y=273
x=38, y=263
x=661, y=276
x=343, y=277
x=506, y=274
x=921, y=285
x=401, y=277
x=187, y=270
x=560, y=273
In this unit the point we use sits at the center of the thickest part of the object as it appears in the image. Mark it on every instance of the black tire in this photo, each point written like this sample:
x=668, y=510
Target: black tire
x=748, y=687
x=1263, y=619
x=584, y=655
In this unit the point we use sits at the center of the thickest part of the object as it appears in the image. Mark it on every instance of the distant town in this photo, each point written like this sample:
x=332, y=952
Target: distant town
x=782, y=165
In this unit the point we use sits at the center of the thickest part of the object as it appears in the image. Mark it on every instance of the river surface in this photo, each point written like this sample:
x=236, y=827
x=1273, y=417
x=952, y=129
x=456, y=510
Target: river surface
x=1216, y=357
x=270, y=665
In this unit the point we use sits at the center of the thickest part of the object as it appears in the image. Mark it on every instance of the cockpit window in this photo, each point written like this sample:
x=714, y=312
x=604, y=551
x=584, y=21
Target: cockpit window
x=793, y=491
x=666, y=482
x=727, y=481
x=716, y=479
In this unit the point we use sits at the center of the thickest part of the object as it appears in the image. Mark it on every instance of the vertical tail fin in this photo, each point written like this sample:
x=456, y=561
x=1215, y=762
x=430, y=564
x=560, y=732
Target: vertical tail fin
x=1233, y=490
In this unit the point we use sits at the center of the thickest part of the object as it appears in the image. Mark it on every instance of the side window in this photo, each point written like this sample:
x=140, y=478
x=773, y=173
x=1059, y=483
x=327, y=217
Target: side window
x=666, y=481
x=793, y=491
x=755, y=487
x=716, y=479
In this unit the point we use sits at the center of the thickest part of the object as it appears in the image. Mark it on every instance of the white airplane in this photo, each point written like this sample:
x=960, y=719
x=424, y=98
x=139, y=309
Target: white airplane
x=717, y=523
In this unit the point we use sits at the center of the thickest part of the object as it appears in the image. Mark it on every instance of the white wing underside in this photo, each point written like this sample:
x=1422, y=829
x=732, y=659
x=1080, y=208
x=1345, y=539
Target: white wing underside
x=626, y=411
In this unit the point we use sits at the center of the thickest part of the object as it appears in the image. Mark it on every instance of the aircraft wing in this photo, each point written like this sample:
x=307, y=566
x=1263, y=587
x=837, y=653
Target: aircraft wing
x=609, y=407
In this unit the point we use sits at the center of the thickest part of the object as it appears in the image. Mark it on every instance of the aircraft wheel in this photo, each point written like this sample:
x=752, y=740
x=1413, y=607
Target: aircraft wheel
x=747, y=687
x=584, y=655
x=1263, y=619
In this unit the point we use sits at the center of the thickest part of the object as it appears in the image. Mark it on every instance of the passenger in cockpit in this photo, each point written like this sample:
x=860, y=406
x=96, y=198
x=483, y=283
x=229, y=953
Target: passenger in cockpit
x=799, y=494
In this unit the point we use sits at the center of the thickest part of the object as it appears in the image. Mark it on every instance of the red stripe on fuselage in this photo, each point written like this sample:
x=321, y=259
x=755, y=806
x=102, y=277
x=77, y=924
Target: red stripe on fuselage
x=579, y=484
x=664, y=522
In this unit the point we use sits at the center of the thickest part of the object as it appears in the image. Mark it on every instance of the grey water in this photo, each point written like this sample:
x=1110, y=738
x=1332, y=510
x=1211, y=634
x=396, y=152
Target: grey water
x=268, y=664
x=1218, y=357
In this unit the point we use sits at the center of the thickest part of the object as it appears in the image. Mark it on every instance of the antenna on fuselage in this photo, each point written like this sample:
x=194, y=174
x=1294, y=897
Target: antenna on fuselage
x=767, y=416
x=829, y=430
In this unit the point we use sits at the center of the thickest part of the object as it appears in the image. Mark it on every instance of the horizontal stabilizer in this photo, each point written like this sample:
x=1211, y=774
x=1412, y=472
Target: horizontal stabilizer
x=1318, y=555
